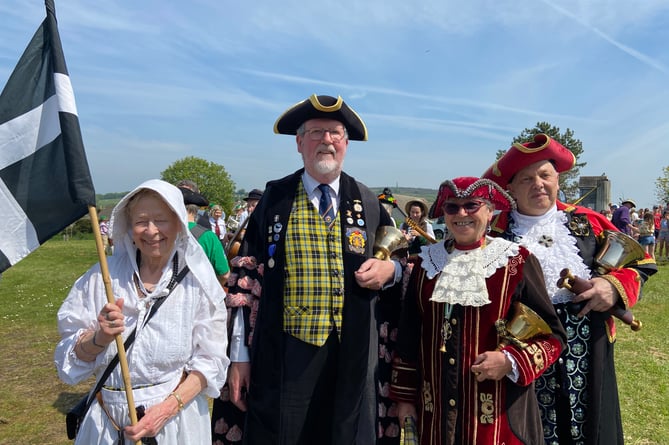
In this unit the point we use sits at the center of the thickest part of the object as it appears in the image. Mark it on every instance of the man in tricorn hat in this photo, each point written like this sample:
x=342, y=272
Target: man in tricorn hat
x=578, y=395
x=307, y=272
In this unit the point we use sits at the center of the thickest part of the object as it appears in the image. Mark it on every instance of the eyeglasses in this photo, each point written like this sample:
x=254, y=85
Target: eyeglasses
x=317, y=134
x=470, y=207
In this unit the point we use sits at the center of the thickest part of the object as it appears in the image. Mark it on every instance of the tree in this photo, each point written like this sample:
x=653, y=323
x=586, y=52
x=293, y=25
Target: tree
x=568, y=180
x=212, y=179
x=662, y=186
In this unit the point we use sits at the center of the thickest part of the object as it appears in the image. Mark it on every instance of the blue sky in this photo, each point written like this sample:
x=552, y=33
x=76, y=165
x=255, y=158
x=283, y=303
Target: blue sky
x=442, y=85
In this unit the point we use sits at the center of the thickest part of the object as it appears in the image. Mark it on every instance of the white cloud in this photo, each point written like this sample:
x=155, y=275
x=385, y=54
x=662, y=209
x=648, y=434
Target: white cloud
x=442, y=84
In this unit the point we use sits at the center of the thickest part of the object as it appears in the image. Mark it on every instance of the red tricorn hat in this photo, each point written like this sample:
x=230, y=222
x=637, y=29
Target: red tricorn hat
x=519, y=156
x=471, y=187
x=321, y=107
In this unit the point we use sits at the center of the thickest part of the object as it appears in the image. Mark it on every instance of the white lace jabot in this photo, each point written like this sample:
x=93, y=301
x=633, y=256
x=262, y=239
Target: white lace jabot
x=464, y=271
x=549, y=239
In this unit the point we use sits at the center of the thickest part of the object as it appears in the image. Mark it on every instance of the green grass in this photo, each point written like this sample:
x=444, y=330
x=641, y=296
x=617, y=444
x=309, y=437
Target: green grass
x=33, y=401
x=642, y=365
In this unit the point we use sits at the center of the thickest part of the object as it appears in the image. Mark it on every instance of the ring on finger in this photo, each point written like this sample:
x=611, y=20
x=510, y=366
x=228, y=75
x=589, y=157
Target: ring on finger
x=107, y=317
x=112, y=324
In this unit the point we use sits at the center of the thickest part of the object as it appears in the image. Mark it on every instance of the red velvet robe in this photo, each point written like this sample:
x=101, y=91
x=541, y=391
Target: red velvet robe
x=452, y=406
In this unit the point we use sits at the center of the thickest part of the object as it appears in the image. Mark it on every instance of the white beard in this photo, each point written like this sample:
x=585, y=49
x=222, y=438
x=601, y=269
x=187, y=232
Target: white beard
x=327, y=166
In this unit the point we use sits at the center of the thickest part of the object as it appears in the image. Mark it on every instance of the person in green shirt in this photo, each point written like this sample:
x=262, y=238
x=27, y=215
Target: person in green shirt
x=210, y=244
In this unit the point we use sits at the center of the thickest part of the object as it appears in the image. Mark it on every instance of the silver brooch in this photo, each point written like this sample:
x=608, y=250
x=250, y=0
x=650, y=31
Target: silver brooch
x=545, y=240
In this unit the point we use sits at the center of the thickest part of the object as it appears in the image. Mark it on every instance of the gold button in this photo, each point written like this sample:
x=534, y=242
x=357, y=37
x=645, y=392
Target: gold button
x=454, y=321
x=451, y=361
x=451, y=402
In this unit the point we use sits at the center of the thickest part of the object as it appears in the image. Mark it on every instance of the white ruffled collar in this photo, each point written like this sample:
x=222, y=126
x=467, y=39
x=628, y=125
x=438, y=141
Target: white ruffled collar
x=549, y=239
x=465, y=271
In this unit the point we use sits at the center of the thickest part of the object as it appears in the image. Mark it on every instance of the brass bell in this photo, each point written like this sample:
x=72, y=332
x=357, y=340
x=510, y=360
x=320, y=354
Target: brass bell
x=617, y=251
x=390, y=241
x=525, y=325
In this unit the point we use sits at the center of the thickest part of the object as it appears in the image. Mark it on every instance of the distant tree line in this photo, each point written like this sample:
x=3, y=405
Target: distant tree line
x=115, y=195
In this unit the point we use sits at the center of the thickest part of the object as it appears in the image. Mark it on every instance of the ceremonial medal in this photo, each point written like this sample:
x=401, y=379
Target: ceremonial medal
x=271, y=249
x=356, y=240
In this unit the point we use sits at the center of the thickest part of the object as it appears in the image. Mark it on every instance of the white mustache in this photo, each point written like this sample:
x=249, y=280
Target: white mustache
x=328, y=149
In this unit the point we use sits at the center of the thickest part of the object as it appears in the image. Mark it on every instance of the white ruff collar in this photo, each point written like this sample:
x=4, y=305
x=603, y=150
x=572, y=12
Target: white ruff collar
x=462, y=280
x=549, y=239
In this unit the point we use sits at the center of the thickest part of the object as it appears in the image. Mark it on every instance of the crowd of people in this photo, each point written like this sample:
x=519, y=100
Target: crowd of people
x=286, y=316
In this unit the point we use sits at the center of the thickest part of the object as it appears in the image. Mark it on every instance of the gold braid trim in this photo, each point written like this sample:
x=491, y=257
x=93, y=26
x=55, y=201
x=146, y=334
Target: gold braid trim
x=619, y=287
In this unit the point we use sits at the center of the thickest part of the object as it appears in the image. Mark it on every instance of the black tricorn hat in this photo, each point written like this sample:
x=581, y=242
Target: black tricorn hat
x=321, y=107
x=191, y=197
x=254, y=194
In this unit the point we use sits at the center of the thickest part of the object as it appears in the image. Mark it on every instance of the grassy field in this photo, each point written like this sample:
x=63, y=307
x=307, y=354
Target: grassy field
x=33, y=401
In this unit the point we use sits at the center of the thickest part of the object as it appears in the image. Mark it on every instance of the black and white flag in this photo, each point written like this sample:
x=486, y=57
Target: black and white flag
x=45, y=183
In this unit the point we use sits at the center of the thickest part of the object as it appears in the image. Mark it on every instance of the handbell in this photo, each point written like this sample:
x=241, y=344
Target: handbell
x=390, y=241
x=617, y=251
x=525, y=325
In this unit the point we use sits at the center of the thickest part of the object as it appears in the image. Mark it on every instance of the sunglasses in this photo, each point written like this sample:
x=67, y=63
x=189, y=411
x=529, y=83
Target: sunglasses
x=469, y=207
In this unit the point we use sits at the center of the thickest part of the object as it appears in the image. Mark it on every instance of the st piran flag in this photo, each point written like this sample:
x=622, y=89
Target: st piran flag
x=45, y=183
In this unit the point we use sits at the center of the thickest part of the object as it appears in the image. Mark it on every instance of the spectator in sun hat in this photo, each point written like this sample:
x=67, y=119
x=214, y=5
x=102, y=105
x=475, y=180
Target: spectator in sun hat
x=320, y=347
x=578, y=395
x=416, y=212
x=622, y=217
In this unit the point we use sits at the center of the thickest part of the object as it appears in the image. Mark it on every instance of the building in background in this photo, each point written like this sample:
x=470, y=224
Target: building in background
x=595, y=192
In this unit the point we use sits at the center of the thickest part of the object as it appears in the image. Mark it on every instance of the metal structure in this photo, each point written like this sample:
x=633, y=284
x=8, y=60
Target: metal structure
x=595, y=192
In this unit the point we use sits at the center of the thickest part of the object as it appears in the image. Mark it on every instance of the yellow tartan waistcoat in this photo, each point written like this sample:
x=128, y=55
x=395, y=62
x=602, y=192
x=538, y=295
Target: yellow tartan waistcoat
x=313, y=298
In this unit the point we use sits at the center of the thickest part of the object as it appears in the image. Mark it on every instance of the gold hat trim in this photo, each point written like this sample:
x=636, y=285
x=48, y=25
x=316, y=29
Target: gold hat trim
x=324, y=108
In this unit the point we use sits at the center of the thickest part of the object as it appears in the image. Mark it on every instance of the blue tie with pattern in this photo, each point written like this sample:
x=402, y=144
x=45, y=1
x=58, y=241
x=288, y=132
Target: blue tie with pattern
x=325, y=205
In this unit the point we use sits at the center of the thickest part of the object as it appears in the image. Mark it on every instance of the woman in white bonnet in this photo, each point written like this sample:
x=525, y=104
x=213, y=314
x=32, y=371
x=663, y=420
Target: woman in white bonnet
x=178, y=356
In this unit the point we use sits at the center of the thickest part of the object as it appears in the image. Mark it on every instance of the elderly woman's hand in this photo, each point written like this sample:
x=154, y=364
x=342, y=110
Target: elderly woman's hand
x=156, y=417
x=111, y=321
x=151, y=423
x=92, y=342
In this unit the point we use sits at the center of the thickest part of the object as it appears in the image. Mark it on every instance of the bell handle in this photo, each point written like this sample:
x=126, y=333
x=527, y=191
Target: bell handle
x=577, y=285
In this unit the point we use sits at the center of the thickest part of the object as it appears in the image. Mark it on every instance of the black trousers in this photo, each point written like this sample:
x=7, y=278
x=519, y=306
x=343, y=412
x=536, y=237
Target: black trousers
x=308, y=391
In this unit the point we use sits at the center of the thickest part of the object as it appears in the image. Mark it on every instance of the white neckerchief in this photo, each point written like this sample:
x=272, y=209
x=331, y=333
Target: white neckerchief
x=549, y=239
x=464, y=272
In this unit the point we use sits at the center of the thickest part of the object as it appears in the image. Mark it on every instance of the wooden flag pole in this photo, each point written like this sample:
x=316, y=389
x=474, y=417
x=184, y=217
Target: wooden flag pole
x=122, y=359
